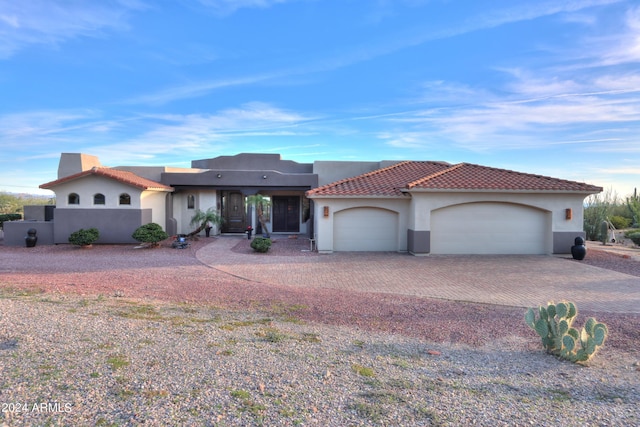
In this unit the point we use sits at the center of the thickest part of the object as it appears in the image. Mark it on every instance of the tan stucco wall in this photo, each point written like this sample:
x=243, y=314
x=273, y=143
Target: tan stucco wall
x=415, y=212
x=156, y=202
x=424, y=203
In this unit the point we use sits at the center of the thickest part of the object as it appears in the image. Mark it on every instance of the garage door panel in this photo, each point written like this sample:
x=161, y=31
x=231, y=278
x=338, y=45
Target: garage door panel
x=365, y=229
x=489, y=228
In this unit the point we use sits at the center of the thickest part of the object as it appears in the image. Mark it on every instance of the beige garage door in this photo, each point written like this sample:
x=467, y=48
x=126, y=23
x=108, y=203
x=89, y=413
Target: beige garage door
x=365, y=229
x=490, y=228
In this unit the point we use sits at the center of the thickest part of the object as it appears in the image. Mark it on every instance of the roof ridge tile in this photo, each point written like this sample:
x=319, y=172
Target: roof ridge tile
x=125, y=177
x=433, y=175
x=351, y=178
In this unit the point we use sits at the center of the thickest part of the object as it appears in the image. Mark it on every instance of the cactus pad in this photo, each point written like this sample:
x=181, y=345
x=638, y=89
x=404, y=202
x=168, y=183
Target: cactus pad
x=558, y=337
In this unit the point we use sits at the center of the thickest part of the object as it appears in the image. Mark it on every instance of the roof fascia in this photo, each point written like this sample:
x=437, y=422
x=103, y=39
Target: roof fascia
x=488, y=190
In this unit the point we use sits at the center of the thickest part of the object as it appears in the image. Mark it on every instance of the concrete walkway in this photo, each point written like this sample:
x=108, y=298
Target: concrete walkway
x=512, y=280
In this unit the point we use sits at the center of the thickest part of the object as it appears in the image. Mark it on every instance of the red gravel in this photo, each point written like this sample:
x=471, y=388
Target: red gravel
x=612, y=261
x=173, y=275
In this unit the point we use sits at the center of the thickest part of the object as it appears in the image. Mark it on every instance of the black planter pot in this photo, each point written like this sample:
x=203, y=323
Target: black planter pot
x=578, y=250
x=31, y=239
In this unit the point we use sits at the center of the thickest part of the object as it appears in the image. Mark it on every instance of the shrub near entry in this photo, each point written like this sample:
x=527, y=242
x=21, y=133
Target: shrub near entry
x=261, y=244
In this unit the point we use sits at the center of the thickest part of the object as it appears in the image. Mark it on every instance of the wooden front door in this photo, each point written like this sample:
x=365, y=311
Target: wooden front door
x=233, y=212
x=286, y=214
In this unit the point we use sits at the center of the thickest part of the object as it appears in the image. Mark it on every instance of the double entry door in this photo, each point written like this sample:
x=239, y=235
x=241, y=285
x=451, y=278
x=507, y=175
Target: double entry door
x=285, y=216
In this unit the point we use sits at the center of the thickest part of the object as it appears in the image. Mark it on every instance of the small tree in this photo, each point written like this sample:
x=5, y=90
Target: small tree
x=258, y=200
x=150, y=233
x=201, y=219
x=84, y=237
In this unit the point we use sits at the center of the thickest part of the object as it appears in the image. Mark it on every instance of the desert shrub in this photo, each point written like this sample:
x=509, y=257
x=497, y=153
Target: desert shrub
x=620, y=222
x=84, y=237
x=150, y=233
x=635, y=237
x=261, y=244
x=596, y=209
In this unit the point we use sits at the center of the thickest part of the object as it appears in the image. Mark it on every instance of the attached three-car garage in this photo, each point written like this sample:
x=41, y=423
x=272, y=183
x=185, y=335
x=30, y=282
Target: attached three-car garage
x=426, y=207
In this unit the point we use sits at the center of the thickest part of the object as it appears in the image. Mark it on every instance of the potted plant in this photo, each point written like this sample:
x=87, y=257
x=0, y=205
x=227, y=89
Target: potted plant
x=84, y=238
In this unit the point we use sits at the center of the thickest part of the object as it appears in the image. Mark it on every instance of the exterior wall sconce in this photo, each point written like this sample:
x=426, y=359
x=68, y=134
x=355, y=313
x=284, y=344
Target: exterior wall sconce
x=326, y=211
x=568, y=213
x=219, y=175
x=264, y=176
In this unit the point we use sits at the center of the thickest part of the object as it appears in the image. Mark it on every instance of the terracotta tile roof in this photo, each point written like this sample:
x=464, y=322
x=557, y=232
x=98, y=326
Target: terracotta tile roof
x=391, y=181
x=124, y=177
x=466, y=176
x=387, y=181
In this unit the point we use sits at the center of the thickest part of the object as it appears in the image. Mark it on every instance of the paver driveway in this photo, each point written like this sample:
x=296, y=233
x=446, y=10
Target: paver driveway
x=514, y=280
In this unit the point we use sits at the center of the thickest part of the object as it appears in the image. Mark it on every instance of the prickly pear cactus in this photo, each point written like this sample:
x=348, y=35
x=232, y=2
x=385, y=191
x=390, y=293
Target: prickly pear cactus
x=553, y=325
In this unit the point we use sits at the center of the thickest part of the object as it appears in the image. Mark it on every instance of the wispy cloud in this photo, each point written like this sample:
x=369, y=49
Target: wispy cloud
x=227, y=7
x=153, y=135
x=200, y=133
x=548, y=106
x=351, y=55
x=50, y=22
x=193, y=90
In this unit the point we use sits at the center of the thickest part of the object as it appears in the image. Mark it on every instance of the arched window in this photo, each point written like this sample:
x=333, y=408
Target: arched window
x=73, y=199
x=98, y=199
x=125, y=199
x=191, y=201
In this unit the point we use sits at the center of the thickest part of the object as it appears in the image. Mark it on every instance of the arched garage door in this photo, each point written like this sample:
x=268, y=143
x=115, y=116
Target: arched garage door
x=490, y=228
x=365, y=229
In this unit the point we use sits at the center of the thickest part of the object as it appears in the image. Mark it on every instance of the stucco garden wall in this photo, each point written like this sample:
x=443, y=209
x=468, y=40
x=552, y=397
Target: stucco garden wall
x=114, y=225
x=16, y=231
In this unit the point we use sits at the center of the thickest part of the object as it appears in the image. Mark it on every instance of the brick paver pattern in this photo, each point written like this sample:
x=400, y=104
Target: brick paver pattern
x=512, y=280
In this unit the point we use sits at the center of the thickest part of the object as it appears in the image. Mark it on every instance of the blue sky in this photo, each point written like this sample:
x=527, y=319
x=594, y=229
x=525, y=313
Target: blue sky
x=548, y=87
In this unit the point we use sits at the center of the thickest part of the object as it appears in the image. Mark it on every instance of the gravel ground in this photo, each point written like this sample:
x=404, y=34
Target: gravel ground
x=83, y=342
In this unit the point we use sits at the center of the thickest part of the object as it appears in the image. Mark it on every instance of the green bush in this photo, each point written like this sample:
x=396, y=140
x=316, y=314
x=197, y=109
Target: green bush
x=150, y=233
x=84, y=237
x=635, y=237
x=9, y=217
x=620, y=222
x=261, y=244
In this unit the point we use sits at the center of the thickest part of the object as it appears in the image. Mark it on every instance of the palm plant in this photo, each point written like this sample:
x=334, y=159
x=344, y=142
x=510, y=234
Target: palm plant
x=203, y=218
x=258, y=200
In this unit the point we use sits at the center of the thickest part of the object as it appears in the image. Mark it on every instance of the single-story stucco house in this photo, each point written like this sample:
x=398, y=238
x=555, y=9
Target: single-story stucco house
x=420, y=207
